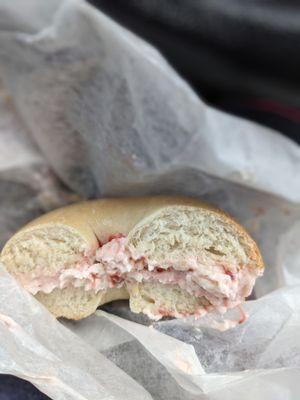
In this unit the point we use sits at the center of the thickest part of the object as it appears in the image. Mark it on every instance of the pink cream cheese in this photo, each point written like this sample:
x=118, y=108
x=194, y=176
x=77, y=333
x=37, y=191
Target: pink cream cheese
x=224, y=287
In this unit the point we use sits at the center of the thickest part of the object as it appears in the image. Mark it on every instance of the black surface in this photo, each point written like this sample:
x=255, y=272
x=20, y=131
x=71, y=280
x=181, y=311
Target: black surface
x=232, y=52
x=12, y=388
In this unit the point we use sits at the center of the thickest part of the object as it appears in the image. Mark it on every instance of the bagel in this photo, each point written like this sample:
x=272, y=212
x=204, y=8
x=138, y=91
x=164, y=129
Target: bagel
x=171, y=256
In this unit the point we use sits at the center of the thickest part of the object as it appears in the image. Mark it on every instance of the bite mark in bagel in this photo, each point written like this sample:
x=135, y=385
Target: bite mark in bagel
x=172, y=256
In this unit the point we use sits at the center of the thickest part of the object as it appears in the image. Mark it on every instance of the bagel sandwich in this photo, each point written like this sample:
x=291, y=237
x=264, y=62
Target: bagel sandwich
x=170, y=256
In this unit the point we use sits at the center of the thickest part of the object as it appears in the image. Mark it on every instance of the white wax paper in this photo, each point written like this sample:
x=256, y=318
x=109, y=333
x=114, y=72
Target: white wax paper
x=36, y=347
x=95, y=106
x=28, y=187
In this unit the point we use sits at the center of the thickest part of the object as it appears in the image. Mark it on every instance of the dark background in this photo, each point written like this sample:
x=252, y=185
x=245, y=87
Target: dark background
x=240, y=56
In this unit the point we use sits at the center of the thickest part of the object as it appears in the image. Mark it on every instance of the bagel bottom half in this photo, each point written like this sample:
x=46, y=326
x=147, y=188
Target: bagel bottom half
x=171, y=256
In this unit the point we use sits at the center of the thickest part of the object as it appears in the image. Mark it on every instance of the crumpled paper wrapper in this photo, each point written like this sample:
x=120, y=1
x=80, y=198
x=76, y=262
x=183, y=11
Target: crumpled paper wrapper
x=91, y=110
x=28, y=186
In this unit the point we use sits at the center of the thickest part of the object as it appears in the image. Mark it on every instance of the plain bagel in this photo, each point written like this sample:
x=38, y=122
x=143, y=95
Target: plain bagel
x=171, y=256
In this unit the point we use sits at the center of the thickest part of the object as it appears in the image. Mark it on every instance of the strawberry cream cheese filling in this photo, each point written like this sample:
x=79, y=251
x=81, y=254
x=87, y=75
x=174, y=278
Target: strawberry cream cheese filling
x=114, y=266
